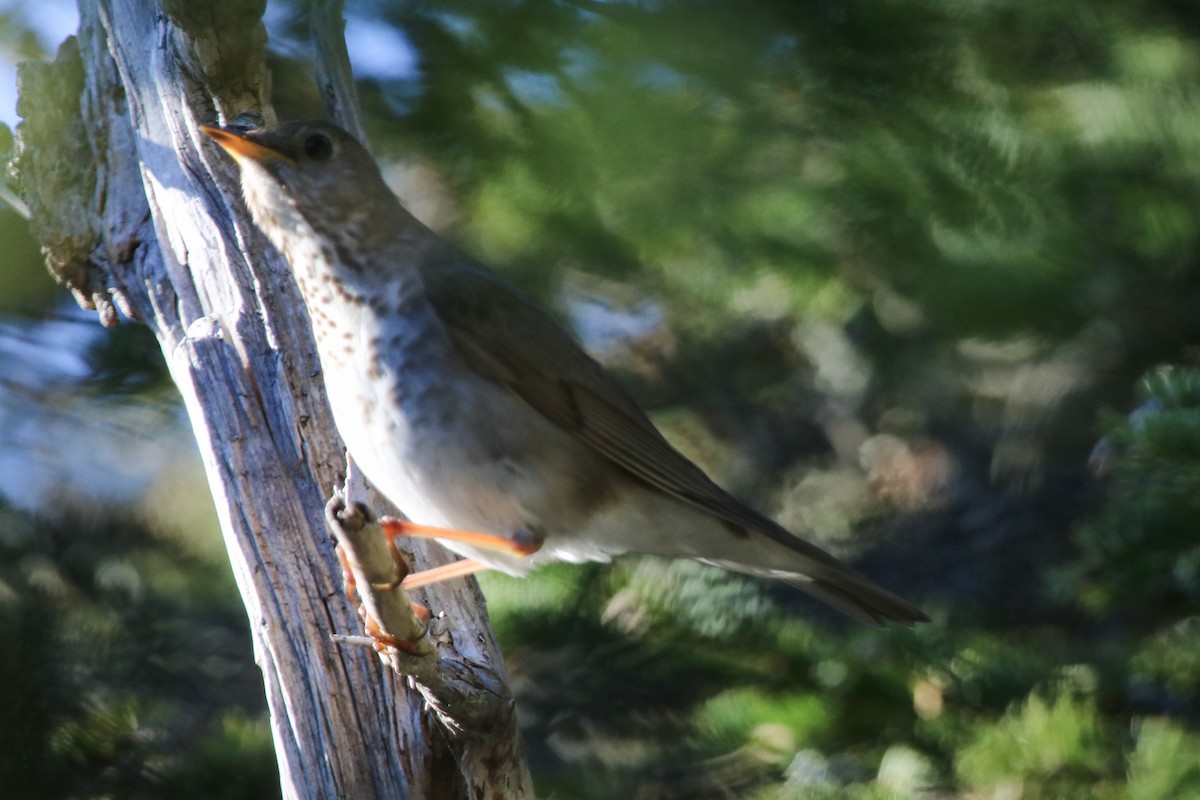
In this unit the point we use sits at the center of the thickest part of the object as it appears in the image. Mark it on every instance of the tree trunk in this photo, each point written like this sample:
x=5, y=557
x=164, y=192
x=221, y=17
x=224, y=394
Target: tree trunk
x=138, y=212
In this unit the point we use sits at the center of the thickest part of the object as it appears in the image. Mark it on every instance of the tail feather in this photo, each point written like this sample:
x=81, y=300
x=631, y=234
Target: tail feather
x=843, y=589
x=856, y=597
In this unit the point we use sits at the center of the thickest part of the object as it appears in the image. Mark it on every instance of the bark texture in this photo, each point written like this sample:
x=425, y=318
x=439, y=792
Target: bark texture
x=139, y=213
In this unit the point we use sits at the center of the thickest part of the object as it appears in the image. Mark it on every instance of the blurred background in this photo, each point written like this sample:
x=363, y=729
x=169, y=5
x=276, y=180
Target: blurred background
x=919, y=279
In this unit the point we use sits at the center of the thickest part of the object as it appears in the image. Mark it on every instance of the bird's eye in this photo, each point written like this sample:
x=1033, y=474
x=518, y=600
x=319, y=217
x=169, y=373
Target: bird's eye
x=318, y=147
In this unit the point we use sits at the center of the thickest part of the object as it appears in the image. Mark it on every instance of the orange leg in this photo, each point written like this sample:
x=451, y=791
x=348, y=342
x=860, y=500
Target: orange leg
x=521, y=544
x=393, y=528
x=455, y=569
x=384, y=640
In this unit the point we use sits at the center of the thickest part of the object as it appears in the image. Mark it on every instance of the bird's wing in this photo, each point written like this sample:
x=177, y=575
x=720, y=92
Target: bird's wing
x=510, y=339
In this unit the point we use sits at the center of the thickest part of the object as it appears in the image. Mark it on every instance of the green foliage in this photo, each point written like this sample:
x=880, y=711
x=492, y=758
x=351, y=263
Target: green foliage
x=1163, y=764
x=1054, y=748
x=1170, y=660
x=778, y=708
x=127, y=672
x=735, y=717
x=1133, y=555
x=234, y=758
x=972, y=157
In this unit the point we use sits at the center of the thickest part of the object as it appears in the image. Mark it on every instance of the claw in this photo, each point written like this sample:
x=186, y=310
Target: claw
x=384, y=640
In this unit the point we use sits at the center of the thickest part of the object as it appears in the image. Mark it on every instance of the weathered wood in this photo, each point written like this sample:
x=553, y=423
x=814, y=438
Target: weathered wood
x=334, y=79
x=140, y=212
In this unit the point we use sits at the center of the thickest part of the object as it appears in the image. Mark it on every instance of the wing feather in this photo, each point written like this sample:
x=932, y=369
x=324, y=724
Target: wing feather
x=511, y=340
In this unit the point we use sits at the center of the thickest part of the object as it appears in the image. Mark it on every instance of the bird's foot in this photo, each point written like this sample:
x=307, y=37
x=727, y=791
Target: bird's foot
x=382, y=641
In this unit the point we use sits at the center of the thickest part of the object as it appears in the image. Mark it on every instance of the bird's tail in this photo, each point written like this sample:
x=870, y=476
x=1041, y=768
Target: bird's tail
x=857, y=597
x=833, y=583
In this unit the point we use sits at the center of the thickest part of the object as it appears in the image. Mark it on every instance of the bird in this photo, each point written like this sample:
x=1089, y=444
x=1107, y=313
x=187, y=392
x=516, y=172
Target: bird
x=474, y=411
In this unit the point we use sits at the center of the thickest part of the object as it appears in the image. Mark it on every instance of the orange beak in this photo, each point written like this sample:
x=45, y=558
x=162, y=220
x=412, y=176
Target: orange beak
x=240, y=147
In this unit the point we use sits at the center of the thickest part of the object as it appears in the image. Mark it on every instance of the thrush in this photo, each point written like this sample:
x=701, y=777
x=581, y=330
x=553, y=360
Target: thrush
x=469, y=407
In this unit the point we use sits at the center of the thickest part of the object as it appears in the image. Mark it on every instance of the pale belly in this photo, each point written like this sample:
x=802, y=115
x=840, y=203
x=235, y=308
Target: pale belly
x=453, y=450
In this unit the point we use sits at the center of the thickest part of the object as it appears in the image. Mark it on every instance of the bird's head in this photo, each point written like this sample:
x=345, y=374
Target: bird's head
x=306, y=177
